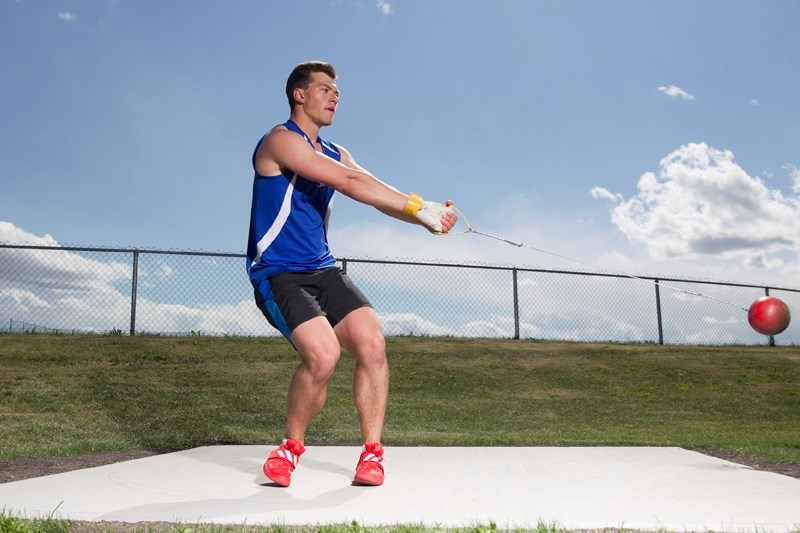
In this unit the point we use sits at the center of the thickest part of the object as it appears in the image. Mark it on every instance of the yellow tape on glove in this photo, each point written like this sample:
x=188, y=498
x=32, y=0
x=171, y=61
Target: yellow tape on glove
x=413, y=205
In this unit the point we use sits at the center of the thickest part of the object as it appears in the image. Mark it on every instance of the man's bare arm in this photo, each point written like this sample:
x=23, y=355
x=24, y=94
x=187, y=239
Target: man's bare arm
x=285, y=149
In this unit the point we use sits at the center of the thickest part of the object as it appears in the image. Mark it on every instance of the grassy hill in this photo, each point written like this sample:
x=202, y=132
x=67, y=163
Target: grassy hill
x=66, y=395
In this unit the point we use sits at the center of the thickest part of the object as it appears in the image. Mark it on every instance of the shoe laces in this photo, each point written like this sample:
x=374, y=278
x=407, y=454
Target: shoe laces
x=373, y=453
x=290, y=451
x=294, y=446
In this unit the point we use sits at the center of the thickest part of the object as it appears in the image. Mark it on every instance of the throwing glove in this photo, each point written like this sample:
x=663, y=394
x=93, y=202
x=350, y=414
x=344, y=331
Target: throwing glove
x=429, y=213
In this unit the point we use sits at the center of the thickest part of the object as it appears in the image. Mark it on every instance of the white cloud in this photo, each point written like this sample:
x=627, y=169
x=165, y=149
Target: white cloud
x=483, y=328
x=66, y=16
x=11, y=234
x=794, y=174
x=755, y=102
x=385, y=7
x=702, y=203
x=675, y=92
x=411, y=324
x=24, y=299
x=91, y=291
x=166, y=271
x=601, y=193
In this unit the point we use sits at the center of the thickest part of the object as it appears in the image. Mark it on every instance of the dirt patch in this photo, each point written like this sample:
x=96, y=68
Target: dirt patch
x=28, y=467
x=756, y=463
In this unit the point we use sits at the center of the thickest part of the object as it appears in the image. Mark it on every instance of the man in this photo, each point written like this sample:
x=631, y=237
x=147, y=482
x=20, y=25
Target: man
x=297, y=284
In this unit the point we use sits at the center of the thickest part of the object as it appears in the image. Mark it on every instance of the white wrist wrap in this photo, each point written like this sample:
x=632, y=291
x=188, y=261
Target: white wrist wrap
x=431, y=215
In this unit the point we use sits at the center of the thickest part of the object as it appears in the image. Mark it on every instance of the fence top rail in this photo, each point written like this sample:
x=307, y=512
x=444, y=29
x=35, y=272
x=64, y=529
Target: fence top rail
x=120, y=250
x=344, y=260
x=653, y=279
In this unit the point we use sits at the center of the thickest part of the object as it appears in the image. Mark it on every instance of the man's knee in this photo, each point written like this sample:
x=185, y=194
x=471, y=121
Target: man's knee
x=360, y=333
x=318, y=348
x=320, y=365
x=371, y=351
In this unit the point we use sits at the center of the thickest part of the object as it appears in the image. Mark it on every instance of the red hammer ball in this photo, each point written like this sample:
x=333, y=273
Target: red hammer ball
x=769, y=315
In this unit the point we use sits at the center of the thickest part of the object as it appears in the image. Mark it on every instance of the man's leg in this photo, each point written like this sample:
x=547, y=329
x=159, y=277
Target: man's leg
x=319, y=352
x=360, y=334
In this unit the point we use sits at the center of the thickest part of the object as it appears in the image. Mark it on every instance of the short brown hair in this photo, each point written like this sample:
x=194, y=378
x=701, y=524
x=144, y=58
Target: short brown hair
x=300, y=78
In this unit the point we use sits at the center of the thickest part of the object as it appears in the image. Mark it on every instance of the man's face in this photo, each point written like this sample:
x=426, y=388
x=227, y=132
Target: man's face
x=321, y=98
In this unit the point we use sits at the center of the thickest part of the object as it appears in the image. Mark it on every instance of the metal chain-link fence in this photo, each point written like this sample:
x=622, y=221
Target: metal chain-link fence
x=133, y=291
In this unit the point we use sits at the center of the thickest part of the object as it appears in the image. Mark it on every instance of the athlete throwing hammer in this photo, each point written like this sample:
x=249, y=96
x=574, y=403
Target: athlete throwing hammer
x=297, y=284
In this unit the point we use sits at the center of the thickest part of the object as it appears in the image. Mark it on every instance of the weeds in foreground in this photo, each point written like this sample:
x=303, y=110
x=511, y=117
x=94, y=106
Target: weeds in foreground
x=13, y=524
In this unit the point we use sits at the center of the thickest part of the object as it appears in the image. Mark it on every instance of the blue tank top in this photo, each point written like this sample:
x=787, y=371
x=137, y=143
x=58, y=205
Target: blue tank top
x=289, y=219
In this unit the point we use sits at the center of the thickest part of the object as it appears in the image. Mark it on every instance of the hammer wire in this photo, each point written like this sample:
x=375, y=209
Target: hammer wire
x=470, y=229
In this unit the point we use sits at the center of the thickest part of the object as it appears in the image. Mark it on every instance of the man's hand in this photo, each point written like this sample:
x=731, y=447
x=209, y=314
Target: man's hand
x=438, y=218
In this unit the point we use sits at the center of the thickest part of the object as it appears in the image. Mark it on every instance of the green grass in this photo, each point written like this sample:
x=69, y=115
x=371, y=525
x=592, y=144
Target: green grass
x=11, y=524
x=67, y=395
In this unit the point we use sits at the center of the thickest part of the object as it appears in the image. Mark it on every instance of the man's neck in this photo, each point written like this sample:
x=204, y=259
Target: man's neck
x=308, y=126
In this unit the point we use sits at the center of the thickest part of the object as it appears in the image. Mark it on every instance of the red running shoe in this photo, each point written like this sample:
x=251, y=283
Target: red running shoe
x=281, y=462
x=369, y=470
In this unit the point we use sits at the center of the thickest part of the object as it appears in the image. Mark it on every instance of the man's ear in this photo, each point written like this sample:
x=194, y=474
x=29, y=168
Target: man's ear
x=299, y=95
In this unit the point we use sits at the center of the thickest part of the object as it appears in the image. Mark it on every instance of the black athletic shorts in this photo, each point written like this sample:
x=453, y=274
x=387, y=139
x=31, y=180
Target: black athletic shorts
x=288, y=299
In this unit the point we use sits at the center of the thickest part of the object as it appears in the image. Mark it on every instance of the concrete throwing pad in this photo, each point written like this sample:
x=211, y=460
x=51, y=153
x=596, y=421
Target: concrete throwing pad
x=575, y=488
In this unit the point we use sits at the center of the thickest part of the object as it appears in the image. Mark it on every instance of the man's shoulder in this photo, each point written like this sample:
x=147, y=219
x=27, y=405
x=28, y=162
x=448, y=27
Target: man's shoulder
x=277, y=136
x=277, y=130
x=268, y=149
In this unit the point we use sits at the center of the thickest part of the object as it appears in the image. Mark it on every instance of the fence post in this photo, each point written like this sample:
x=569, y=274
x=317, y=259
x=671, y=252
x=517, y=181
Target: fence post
x=516, y=304
x=658, y=314
x=771, y=337
x=344, y=266
x=134, y=284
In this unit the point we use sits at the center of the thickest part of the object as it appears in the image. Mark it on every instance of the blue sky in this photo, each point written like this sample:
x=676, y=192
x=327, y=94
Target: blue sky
x=654, y=138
